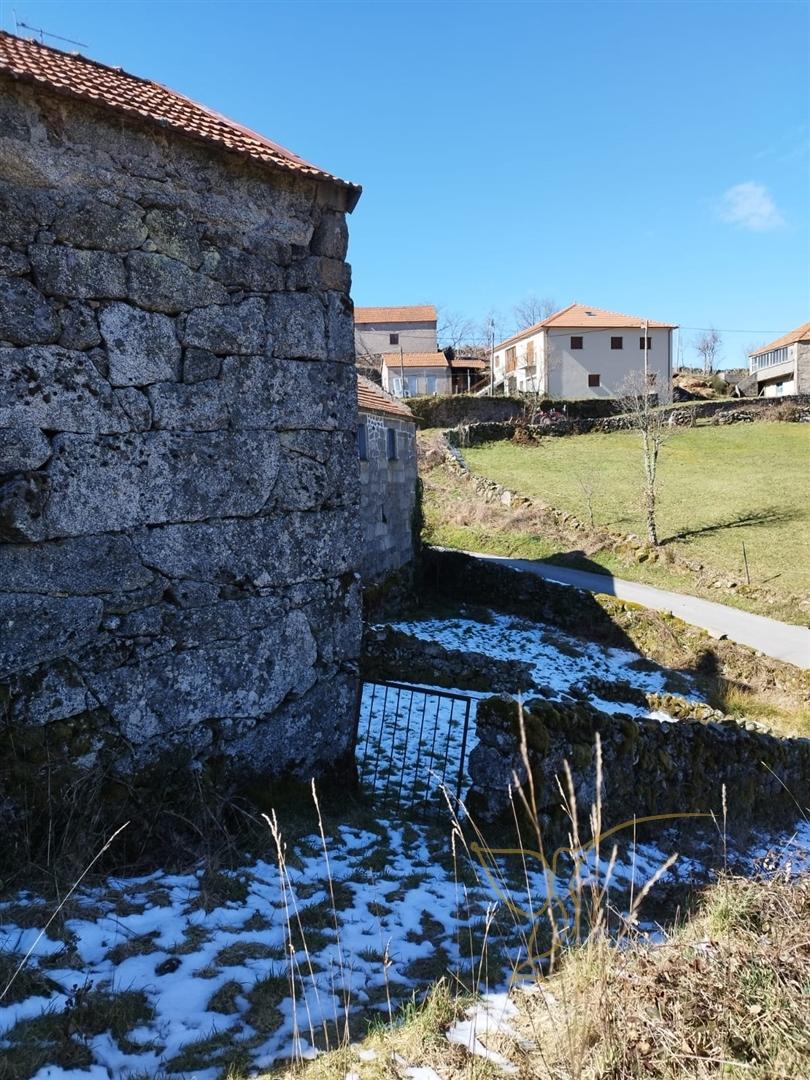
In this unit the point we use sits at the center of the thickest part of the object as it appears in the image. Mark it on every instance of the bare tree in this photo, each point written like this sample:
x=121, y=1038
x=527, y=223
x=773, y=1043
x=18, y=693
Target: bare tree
x=707, y=346
x=532, y=310
x=455, y=330
x=643, y=414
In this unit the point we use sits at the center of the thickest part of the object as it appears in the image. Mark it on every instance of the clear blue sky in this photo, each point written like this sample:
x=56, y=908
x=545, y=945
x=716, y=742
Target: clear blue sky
x=648, y=157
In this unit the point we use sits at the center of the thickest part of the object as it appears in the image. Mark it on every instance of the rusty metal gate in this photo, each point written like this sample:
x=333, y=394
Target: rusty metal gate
x=411, y=742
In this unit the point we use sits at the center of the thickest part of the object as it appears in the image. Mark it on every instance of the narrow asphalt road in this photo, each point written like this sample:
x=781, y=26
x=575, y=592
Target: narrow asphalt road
x=782, y=641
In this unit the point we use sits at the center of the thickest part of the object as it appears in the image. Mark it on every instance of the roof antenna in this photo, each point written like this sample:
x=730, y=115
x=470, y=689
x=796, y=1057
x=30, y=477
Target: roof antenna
x=44, y=33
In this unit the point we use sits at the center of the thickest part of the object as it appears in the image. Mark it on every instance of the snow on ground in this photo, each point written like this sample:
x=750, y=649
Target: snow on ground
x=259, y=960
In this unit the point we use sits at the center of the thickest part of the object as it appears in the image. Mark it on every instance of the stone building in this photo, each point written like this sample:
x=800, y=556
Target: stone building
x=178, y=462
x=386, y=444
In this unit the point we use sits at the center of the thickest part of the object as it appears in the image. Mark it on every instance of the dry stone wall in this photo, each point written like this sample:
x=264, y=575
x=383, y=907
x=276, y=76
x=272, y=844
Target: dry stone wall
x=178, y=471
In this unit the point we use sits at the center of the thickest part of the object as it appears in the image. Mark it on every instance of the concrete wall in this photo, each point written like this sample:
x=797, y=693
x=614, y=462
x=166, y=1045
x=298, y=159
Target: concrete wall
x=388, y=496
x=178, y=469
x=413, y=337
x=416, y=378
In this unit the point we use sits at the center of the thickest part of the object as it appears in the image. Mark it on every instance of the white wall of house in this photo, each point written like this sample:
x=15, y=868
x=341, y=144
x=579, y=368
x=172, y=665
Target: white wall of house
x=570, y=371
x=560, y=371
x=413, y=338
x=418, y=380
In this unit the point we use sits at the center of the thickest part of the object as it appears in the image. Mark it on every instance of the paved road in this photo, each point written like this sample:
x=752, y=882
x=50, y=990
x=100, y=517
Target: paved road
x=782, y=641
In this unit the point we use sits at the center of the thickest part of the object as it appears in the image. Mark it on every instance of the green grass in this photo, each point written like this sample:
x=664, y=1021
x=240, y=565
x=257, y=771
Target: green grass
x=719, y=486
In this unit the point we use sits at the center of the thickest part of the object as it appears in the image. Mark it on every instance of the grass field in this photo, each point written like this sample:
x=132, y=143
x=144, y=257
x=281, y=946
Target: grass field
x=719, y=487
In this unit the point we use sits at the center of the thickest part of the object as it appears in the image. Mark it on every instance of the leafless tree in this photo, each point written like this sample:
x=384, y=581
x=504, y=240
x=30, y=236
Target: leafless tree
x=455, y=330
x=532, y=310
x=643, y=414
x=707, y=346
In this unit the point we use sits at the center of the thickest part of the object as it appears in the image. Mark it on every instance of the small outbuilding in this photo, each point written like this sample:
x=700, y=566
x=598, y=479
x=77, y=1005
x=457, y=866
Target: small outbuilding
x=178, y=469
x=386, y=446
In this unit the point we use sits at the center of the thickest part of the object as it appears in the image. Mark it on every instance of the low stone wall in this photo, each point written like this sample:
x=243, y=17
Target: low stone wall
x=648, y=766
x=447, y=410
x=392, y=656
x=794, y=409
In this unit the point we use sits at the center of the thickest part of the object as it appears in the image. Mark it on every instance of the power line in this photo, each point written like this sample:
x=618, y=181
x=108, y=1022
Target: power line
x=726, y=330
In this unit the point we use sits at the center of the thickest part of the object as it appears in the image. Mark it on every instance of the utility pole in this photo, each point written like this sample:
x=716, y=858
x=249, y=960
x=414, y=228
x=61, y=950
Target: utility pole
x=402, y=372
x=491, y=356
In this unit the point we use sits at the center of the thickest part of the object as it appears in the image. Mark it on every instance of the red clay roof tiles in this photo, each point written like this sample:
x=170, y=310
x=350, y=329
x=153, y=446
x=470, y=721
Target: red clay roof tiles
x=78, y=77
x=373, y=398
x=366, y=316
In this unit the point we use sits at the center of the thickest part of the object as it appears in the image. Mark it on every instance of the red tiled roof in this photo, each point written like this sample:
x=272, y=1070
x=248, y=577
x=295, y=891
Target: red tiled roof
x=415, y=359
x=799, y=334
x=581, y=317
x=369, y=315
x=76, y=76
x=469, y=362
x=373, y=398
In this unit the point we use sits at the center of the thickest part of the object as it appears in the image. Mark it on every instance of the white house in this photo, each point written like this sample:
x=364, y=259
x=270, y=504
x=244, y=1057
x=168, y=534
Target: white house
x=783, y=366
x=407, y=374
x=585, y=352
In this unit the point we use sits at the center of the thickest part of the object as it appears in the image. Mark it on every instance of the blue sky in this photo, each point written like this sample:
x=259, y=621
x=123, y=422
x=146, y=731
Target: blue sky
x=652, y=158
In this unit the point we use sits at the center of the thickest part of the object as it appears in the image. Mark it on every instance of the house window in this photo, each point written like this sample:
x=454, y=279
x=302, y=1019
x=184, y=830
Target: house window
x=362, y=442
x=594, y=380
x=393, y=339
x=431, y=384
x=530, y=351
x=617, y=343
x=391, y=443
x=641, y=341
x=576, y=342
x=511, y=358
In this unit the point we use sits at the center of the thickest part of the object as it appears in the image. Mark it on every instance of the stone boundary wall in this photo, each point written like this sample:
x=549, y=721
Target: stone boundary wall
x=179, y=503
x=719, y=412
x=450, y=410
x=649, y=766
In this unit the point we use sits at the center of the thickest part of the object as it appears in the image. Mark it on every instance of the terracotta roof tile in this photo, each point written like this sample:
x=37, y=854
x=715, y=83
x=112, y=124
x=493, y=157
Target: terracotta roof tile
x=366, y=316
x=799, y=334
x=581, y=316
x=415, y=359
x=373, y=398
x=78, y=77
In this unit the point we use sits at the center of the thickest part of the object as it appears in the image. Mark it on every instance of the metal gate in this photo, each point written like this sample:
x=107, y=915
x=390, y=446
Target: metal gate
x=411, y=741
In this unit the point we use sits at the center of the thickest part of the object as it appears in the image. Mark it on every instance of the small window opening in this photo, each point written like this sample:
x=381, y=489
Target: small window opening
x=393, y=339
x=617, y=343
x=576, y=342
x=594, y=380
x=391, y=443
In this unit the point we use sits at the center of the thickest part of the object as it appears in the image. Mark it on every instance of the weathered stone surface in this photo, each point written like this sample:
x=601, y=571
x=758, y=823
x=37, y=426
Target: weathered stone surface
x=158, y=283
x=266, y=552
x=228, y=329
x=58, y=390
x=243, y=270
x=247, y=678
x=174, y=234
x=136, y=405
x=90, y=223
x=12, y=262
x=106, y=484
x=54, y=693
x=195, y=407
x=317, y=272
x=73, y=272
x=26, y=317
x=142, y=347
x=40, y=628
x=340, y=328
x=331, y=236
x=311, y=474
x=199, y=364
x=296, y=323
x=290, y=394
x=22, y=448
x=24, y=210
x=79, y=326
x=82, y=566
x=22, y=500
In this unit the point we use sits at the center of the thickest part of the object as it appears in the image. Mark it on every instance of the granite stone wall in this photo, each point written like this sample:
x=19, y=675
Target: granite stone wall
x=388, y=496
x=178, y=469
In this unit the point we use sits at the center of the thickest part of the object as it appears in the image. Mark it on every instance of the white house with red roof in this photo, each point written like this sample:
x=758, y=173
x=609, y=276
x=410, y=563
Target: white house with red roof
x=783, y=366
x=585, y=352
